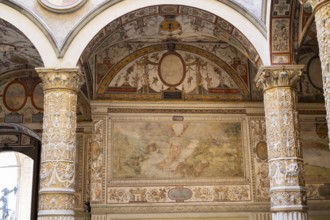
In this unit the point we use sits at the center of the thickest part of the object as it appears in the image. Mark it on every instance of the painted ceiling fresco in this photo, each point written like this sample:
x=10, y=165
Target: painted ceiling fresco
x=210, y=56
x=217, y=60
x=16, y=51
x=155, y=70
x=179, y=23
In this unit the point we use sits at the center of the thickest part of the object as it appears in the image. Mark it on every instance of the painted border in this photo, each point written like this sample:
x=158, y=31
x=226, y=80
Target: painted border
x=5, y=99
x=32, y=96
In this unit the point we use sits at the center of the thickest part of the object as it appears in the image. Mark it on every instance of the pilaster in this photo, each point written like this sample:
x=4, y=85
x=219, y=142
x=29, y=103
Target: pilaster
x=57, y=167
x=287, y=186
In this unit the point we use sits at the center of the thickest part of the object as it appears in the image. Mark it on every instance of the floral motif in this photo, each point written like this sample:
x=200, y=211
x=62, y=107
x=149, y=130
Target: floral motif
x=284, y=150
x=57, y=171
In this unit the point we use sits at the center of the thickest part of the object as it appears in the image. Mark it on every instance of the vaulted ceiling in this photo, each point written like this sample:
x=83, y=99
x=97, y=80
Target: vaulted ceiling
x=218, y=59
x=17, y=54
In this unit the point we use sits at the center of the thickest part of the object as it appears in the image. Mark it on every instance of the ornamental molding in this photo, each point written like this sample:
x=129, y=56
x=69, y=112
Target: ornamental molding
x=278, y=76
x=182, y=208
x=180, y=111
x=69, y=78
x=62, y=6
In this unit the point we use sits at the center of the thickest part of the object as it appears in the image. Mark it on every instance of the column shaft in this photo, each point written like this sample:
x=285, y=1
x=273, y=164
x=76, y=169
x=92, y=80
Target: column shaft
x=287, y=190
x=57, y=168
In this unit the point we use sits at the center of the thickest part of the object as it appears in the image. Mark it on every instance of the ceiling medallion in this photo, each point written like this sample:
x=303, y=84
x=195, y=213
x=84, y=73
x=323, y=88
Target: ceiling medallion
x=62, y=6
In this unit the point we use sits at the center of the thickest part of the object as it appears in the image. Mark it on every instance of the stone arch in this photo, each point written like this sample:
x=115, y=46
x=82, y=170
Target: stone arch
x=27, y=142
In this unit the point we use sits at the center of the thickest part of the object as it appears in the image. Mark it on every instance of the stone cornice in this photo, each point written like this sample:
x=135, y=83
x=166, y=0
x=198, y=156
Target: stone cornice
x=66, y=78
x=278, y=76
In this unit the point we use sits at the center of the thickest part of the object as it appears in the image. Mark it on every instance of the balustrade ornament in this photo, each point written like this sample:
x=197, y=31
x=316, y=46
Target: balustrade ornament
x=287, y=185
x=57, y=167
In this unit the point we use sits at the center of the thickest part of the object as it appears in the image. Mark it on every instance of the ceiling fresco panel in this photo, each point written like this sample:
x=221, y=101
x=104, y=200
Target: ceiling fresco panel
x=204, y=73
x=16, y=51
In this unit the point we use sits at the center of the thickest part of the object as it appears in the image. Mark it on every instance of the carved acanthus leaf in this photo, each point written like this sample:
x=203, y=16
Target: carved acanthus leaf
x=278, y=76
x=69, y=78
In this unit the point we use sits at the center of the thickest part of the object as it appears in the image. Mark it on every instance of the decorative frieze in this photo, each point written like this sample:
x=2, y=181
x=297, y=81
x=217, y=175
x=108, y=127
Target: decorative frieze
x=61, y=78
x=167, y=194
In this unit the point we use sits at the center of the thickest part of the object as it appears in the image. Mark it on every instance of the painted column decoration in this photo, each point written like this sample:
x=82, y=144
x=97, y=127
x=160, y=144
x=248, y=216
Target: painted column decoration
x=287, y=186
x=57, y=167
x=321, y=9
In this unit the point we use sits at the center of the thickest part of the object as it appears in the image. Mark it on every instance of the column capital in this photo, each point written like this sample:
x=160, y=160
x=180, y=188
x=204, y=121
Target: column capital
x=316, y=4
x=278, y=76
x=64, y=78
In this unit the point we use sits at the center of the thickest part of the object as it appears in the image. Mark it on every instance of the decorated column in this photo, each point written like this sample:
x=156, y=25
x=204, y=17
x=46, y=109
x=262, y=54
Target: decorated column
x=57, y=168
x=321, y=9
x=287, y=190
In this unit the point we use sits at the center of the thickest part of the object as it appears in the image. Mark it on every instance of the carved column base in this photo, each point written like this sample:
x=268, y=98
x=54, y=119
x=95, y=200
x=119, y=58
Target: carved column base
x=289, y=216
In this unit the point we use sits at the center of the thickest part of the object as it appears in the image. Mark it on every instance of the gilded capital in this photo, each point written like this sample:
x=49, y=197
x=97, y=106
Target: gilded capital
x=316, y=4
x=68, y=78
x=278, y=76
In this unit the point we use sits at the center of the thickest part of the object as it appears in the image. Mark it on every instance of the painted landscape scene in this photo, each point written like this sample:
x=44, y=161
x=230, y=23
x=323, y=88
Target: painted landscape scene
x=158, y=150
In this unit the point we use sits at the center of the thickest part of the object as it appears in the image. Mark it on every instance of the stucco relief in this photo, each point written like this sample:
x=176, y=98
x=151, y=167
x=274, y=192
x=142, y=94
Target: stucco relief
x=282, y=200
x=259, y=157
x=97, y=160
x=87, y=168
x=58, y=143
x=223, y=193
x=79, y=170
x=284, y=148
x=56, y=202
x=58, y=157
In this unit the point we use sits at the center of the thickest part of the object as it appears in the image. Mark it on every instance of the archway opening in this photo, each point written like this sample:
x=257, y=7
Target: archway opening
x=19, y=167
